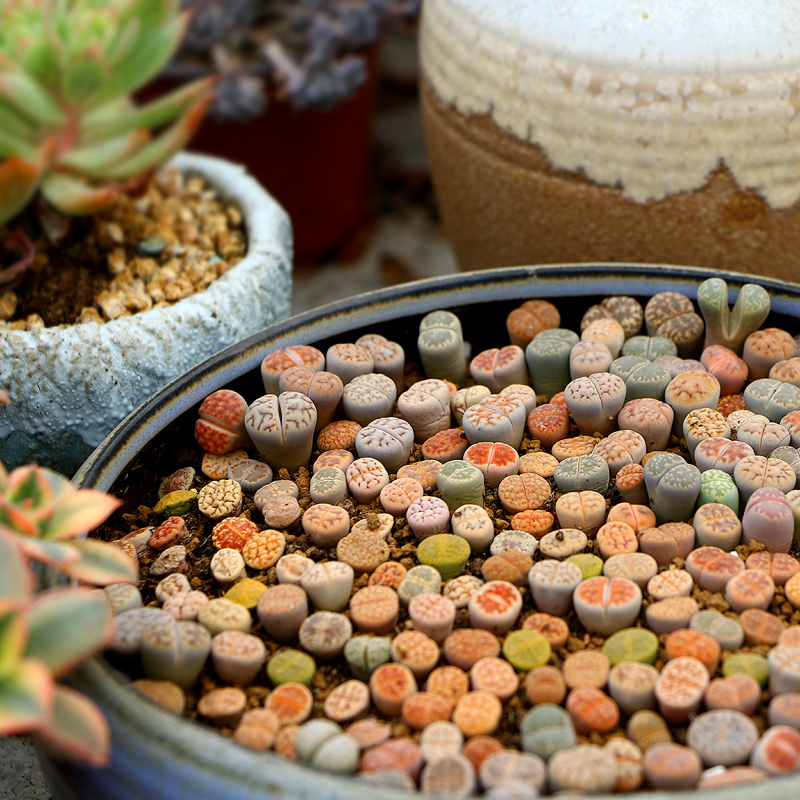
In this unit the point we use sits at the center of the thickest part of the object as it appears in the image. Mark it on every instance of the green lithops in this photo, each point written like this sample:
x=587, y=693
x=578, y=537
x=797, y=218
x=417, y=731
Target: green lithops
x=726, y=327
x=291, y=666
x=526, y=650
x=446, y=553
x=631, y=644
x=176, y=504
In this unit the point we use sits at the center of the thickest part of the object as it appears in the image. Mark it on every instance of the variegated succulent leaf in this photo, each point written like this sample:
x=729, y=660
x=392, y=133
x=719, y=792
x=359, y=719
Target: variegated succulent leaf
x=66, y=626
x=67, y=69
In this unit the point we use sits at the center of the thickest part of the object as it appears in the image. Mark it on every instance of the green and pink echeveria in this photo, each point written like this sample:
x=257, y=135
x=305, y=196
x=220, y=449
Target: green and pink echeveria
x=43, y=636
x=68, y=126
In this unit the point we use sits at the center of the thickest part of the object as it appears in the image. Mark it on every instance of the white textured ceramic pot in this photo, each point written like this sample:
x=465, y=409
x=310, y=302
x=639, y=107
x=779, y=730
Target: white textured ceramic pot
x=70, y=386
x=157, y=756
x=659, y=131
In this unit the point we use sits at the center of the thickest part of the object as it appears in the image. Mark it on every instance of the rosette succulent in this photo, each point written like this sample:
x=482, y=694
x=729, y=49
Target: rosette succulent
x=43, y=636
x=68, y=127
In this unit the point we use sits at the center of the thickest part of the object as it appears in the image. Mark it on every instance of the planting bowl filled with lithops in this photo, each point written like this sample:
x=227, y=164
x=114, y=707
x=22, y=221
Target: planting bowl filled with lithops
x=508, y=533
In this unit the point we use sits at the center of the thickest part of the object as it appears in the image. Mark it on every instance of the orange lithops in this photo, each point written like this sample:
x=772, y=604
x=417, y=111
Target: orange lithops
x=592, y=710
x=478, y=712
x=233, y=533
x=494, y=675
x=389, y=685
x=688, y=642
x=615, y=538
x=449, y=682
x=291, y=702
x=554, y=629
x=420, y=709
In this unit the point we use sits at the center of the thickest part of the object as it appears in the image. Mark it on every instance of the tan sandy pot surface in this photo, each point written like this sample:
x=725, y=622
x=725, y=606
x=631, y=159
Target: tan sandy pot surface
x=628, y=131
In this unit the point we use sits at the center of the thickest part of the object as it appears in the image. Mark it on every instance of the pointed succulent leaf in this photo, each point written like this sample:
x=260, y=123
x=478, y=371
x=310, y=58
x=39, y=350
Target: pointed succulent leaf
x=17, y=521
x=93, y=159
x=84, y=78
x=13, y=636
x=158, y=112
x=144, y=62
x=100, y=563
x=76, y=729
x=67, y=626
x=11, y=145
x=30, y=97
x=78, y=513
x=19, y=180
x=76, y=197
x=16, y=579
x=27, y=696
x=41, y=60
x=58, y=555
x=13, y=124
x=29, y=489
x=163, y=146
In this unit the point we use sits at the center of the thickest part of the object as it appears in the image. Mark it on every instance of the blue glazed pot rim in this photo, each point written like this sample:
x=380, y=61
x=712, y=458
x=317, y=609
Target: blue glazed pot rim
x=517, y=283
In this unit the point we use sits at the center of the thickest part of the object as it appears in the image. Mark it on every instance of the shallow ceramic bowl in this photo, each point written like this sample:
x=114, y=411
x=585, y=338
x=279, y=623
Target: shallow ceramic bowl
x=161, y=757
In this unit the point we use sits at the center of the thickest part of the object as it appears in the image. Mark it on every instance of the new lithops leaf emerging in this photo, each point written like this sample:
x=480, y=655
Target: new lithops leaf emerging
x=68, y=127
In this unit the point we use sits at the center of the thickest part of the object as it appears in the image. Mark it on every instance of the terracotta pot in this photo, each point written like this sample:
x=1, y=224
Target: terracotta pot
x=70, y=386
x=317, y=163
x=160, y=757
x=598, y=131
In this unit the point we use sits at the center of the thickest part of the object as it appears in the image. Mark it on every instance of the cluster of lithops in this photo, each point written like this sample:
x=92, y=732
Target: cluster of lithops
x=589, y=582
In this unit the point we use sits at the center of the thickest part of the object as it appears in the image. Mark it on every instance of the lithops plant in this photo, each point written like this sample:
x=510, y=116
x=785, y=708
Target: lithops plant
x=726, y=327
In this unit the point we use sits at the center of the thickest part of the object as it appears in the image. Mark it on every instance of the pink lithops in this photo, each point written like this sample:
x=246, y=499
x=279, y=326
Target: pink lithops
x=688, y=391
x=368, y=397
x=495, y=460
x=587, y=357
x=738, y=692
x=777, y=752
x=464, y=646
x=387, y=439
x=424, y=472
x=428, y=516
x=651, y=418
x=282, y=428
x=326, y=524
x=374, y=609
x=784, y=669
x=498, y=368
x=680, y=688
x=606, y=605
x=388, y=358
x=417, y=651
x=787, y=371
x=347, y=701
x=712, y=568
x=494, y=675
x=433, y=614
x=768, y=519
x=348, y=360
x=763, y=437
x=779, y=566
x=552, y=584
x=473, y=523
x=607, y=331
x=704, y=423
x=237, y=656
x=584, y=510
x=632, y=685
x=425, y=405
x=495, y=606
x=621, y=448
x=584, y=769
x=398, y=495
x=277, y=362
x=672, y=767
x=366, y=477
x=670, y=583
x=717, y=525
x=282, y=609
x=765, y=348
x=594, y=402
x=323, y=388
x=726, y=367
x=221, y=426
x=498, y=418
x=720, y=453
x=615, y=538
x=630, y=482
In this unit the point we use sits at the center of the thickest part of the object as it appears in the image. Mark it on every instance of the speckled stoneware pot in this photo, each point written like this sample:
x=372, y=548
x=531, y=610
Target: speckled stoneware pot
x=70, y=386
x=157, y=756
